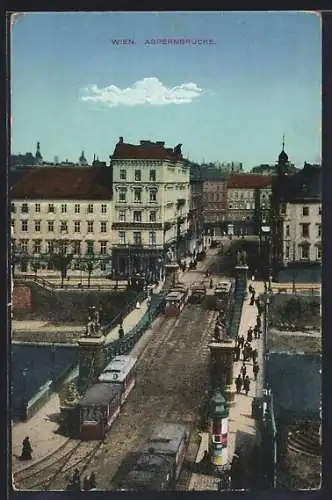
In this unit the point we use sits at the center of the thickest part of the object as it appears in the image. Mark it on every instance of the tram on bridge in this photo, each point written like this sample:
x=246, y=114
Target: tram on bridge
x=159, y=464
x=121, y=371
x=176, y=299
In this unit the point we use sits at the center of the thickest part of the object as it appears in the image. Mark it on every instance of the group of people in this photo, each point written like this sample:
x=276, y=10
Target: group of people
x=249, y=353
x=89, y=483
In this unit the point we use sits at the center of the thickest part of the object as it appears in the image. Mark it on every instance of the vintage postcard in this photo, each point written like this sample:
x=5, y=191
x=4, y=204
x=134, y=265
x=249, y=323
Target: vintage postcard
x=166, y=248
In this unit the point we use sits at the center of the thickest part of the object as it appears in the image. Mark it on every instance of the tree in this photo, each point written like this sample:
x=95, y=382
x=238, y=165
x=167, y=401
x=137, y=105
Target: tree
x=60, y=262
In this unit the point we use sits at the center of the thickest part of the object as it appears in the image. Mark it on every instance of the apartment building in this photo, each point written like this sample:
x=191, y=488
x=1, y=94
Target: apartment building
x=248, y=201
x=151, y=206
x=63, y=211
x=297, y=214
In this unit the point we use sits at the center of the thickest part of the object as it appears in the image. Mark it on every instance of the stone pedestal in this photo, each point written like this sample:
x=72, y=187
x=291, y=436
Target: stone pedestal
x=222, y=360
x=172, y=272
x=242, y=277
x=92, y=360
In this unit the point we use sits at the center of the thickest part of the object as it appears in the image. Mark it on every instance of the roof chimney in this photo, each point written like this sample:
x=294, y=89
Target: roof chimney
x=160, y=143
x=121, y=140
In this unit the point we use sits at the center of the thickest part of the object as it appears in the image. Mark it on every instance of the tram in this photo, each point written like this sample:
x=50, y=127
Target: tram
x=159, y=463
x=121, y=371
x=223, y=295
x=174, y=303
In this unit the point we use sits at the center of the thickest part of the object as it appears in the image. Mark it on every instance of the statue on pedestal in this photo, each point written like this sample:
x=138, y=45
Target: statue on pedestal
x=241, y=258
x=93, y=326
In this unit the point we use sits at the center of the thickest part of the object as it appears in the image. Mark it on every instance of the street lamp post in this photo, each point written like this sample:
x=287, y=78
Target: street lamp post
x=53, y=349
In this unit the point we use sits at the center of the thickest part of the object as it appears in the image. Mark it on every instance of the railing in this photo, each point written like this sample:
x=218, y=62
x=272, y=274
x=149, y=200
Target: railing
x=122, y=314
x=48, y=285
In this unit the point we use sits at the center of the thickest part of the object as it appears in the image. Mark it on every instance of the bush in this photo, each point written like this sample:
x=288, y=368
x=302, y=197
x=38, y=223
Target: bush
x=295, y=312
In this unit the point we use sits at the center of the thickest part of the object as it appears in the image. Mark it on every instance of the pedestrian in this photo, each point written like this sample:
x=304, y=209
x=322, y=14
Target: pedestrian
x=249, y=335
x=242, y=341
x=238, y=383
x=237, y=352
x=252, y=299
x=258, y=321
x=246, y=385
x=256, y=332
x=255, y=370
x=250, y=288
x=138, y=305
x=121, y=332
x=26, y=449
x=211, y=283
x=254, y=355
x=86, y=483
x=243, y=370
x=92, y=481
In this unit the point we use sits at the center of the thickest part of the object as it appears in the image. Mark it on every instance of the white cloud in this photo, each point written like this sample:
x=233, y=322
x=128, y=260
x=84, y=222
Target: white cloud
x=147, y=91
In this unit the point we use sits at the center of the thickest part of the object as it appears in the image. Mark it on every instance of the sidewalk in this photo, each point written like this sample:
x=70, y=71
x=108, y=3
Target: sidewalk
x=42, y=427
x=242, y=435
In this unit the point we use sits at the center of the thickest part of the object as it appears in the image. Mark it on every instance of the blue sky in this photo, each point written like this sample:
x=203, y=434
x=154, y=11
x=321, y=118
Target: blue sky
x=73, y=89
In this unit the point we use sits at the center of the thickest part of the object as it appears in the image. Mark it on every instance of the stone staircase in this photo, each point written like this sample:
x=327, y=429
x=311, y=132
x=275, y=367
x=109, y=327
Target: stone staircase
x=305, y=441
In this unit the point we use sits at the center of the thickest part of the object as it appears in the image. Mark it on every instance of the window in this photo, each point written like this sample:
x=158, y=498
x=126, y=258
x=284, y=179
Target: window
x=103, y=247
x=90, y=226
x=304, y=251
x=77, y=247
x=24, y=245
x=50, y=226
x=319, y=210
x=50, y=246
x=137, y=195
x=103, y=227
x=89, y=247
x=137, y=238
x=122, y=195
x=77, y=226
x=63, y=226
x=137, y=216
x=37, y=225
x=63, y=247
x=37, y=246
x=64, y=208
x=318, y=253
x=90, y=208
x=283, y=208
x=152, y=238
x=138, y=175
x=305, y=230
x=77, y=208
x=13, y=208
x=37, y=207
x=287, y=230
x=122, y=237
x=51, y=208
x=123, y=175
x=102, y=266
x=152, y=175
x=103, y=208
x=287, y=251
x=122, y=216
x=24, y=225
x=153, y=195
x=305, y=211
x=24, y=208
x=319, y=230
x=153, y=216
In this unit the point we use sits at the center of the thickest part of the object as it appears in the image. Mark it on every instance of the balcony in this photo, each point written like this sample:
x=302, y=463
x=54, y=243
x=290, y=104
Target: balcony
x=137, y=225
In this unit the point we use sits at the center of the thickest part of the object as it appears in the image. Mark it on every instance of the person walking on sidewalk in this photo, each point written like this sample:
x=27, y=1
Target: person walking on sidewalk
x=26, y=449
x=238, y=383
x=243, y=370
x=256, y=332
x=237, y=352
x=249, y=335
x=121, y=332
x=255, y=370
x=254, y=355
x=246, y=385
